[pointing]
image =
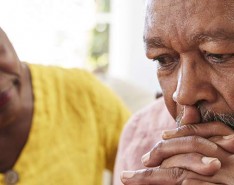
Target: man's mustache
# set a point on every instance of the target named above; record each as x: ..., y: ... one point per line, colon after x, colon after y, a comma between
x: 210, y: 116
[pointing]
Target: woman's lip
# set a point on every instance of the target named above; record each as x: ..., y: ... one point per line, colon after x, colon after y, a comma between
x: 5, y: 97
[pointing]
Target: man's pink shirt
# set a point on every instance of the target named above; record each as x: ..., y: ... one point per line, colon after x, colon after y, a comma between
x: 140, y: 134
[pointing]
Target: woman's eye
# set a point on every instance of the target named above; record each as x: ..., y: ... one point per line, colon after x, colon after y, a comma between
x: 217, y: 58
x: 165, y: 61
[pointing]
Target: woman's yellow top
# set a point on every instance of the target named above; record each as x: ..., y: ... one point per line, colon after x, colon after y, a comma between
x: 75, y: 129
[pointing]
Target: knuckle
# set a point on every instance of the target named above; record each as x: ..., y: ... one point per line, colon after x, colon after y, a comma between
x: 195, y: 142
x: 176, y: 173
x: 190, y: 129
x: 158, y: 148
x: 148, y: 172
x: 155, y: 155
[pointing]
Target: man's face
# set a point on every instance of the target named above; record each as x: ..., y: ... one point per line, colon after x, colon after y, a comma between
x: 192, y: 43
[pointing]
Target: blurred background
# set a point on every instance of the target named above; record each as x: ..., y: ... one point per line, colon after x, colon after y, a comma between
x: 103, y: 36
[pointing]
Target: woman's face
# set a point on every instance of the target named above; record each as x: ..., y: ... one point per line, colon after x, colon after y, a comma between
x: 10, y: 81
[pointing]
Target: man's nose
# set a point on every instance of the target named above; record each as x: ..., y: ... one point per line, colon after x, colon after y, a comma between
x: 194, y: 83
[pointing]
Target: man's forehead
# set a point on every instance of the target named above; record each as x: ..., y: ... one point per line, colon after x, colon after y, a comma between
x: 189, y: 5
x: 166, y: 12
x: 189, y: 23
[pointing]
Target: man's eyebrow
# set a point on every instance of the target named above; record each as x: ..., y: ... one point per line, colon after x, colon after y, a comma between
x: 154, y: 42
x: 210, y: 36
x: 199, y: 37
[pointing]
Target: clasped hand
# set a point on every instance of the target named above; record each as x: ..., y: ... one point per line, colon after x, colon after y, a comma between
x: 194, y: 154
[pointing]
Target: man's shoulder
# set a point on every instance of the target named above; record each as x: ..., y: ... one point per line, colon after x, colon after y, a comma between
x: 147, y: 125
x: 155, y: 114
x: 142, y: 132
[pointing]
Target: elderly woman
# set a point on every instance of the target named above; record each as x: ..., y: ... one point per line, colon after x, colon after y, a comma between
x: 57, y: 126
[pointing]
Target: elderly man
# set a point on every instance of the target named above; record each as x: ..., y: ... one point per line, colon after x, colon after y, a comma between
x: 192, y: 43
x: 57, y: 126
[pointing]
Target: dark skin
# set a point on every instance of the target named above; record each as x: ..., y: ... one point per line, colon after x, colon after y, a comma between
x: 16, y: 108
x: 193, y: 45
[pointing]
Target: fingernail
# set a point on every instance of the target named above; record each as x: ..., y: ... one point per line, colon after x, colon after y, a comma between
x: 127, y: 174
x: 145, y: 158
x: 228, y: 137
x: 169, y: 133
x: 208, y: 160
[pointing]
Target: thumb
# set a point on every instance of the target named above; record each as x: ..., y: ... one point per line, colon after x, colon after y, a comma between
x: 188, y: 115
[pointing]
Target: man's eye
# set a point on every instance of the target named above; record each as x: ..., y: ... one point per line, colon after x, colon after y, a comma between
x: 217, y: 58
x: 165, y: 61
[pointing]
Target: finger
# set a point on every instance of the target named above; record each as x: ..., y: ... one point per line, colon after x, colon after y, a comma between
x: 205, y: 130
x: 200, y: 164
x: 156, y: 176
x: 183, y: 145
x: 225, y: 142
x: 196, y: 182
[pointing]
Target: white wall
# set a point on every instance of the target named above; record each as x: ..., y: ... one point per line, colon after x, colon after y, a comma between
x: 49, y: 31
x: 127, y: 57
x: 41, y: 33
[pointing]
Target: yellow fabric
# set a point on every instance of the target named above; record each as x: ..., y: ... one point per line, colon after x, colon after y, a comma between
x: 76, y: 126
